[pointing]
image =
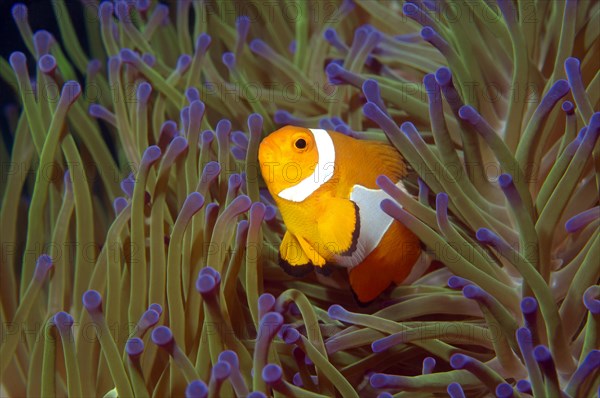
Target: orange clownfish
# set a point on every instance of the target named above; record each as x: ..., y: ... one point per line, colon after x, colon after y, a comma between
x: 323, y: 183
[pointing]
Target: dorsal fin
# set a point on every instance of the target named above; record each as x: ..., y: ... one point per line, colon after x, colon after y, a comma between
x: 360, y: 162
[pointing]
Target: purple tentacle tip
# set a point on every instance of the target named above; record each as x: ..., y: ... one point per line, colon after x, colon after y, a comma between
x: 202, y: 42
x: 18, y: 61
x: 183, y: 62
x: 235, y: 181
x: 257, y: 394
x: 177, y: 146
x: 272, y: 373
x: 142, y: 5
x: 459, y: 361
x: 504, y: 390
x: 134, y: 347
x: 221, y: 370
x: 211, y: 272
x: 410, y: 9
x: 228, y: 59
x: 207, y: 137
x: 590, y: 299
x: 441, y: 208
x: 270, y: 213
x: 92, y: 301
x: 258, y: 46
x: 258, y: 209
x: 524, y: 337
x: 473, y: 292
x: 542, y: 354
x: 297, y: 380
x: 206, y: 285
x: 127, y: 185
x: 469, y: 114
x: 443, y: 76
x: 409, y: 129
x: 568, y: 107
x: 266, y: 303
x: 119, y: 204
x: 156, y: 307
x: 428, y: 365
x: 242, y: 25
x: 330, y: 34
x: 192, y: 94
x: 378, y: 380
x: 162, y: 337
x: 196, y: 389
x: 43, y: 265
x: 455, y: 390
x: 282, y: 117
x: 572, y: 66
x: 63, y: 321
x: 149, y: 59
x: 47, y: 64
x: 128, y: 56
x: 594, y: 127
x: 485, y: 235
x: 582, y: 219
x: 333, y: 71
x: 193, y: 203
x: 529, y: 305
x: 524, y: 386
x: 372, y: 111
x: 143, y: 92
x: 238, y: 153
x: 151, y: 155
x: 223, y: 128
x: 290, y: 335
x: 19, y: 12
x: 71, y: 90
x: 505, y: 180
x: 149, y: 319
x: 230, y: 357
x: 558, y: 90
x: 384, y: 395
x: 255, y: 123
x: 272, y: 321
x: 371, y: 90
x: 197, y: 109
x: 42, y: 39
x: 456, y: 282
x: 430, y: 84
x: 337, y: 312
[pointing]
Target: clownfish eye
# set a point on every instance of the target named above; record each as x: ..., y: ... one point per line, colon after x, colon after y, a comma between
x: 300, y: 143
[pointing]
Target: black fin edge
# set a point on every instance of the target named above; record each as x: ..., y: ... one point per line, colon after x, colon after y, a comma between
x: 325, y: 270
x: 295, y: 270
x: 362, y: 304
x: 355, y: 233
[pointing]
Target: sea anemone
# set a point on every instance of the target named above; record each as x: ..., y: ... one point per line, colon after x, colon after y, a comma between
x: 139, y: 245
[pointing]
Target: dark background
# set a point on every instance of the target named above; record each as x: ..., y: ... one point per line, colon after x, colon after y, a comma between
x: 41, y: 16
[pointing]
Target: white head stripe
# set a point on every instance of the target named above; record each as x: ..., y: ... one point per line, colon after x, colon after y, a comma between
x: 323, y: 172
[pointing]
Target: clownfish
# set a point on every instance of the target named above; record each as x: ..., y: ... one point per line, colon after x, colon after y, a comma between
x: 323, y: 183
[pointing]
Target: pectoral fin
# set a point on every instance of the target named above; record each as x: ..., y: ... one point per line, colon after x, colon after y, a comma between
x: 339, y: 226
x: 292, y: 257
